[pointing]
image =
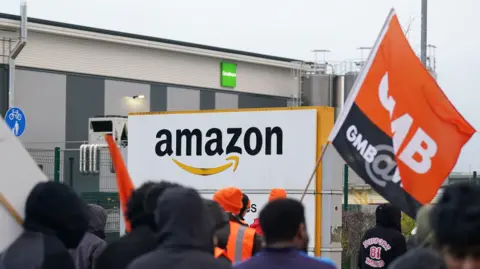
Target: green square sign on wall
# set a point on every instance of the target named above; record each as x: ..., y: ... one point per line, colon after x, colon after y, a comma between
x: 228, y: 75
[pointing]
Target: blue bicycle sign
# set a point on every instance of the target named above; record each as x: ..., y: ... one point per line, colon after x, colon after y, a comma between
x: 15, y: 115
x: 16, y: 121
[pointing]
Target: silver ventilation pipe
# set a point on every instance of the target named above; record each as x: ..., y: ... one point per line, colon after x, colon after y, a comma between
x: 338, y: 94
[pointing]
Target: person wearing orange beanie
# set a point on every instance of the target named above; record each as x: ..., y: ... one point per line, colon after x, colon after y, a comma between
x: 274, y: 195
x: 230, y: 199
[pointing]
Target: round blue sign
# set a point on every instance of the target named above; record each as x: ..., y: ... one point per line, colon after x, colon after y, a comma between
x: 16, y: 121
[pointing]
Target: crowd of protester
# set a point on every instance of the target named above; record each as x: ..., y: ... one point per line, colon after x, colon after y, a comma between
x: 173, y: 227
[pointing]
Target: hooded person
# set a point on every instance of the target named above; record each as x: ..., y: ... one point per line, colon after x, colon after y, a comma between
x: 240, y: 236
x: 185, y: 234
x: 142, y: 239
x: 92, y: 244
x: 56, y: 220
x: 382, y: 244
x: 221, y: 227
x: 274, y: 195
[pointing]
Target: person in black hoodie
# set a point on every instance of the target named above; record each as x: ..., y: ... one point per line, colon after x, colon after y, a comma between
x: 140, y: 212
x: 382, y: 244
x: 185, y: 234
x: 56, y: 220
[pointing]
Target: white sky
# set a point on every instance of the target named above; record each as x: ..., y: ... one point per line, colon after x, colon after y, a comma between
x: 294, y: 28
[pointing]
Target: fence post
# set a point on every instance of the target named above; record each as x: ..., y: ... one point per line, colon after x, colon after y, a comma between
x: 345, y: 187
x: 56, y: 168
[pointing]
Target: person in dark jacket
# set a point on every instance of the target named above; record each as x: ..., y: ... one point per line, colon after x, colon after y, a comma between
x: 222, y: 229
x: 286, y: 239
x: 142, y: 239
x: 92, y: 244
x: 185, y: 234
x: 56, y: 220
x: 455, y: 221
x: 382, y: 244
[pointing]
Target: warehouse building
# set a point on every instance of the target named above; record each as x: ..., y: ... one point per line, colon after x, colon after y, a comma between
x: 67, y: 73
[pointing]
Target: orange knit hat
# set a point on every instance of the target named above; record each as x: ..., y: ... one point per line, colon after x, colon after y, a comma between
x: 230, y: 199
x: 277, y: 194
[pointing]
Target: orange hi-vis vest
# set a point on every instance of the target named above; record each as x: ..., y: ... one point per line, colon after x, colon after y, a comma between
x: 240, y: 242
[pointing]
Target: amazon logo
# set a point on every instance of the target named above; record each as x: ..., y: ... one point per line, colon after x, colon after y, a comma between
x: 232, y: 142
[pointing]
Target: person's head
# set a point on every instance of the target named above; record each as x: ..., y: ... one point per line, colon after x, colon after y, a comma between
x: 455, y: 220
x: 54, y: 208
x: 220, y: 222
x: 135, y: 212
x: 388, y: 216
x: 245, y: 206
x: 143, y: 202
x: 98, y: 220
x: 230, y: 199
x: 419, y: 259
x: 183, y: 221
x: 283, y: 224
x: 424, y: 236
x: 277, y: 194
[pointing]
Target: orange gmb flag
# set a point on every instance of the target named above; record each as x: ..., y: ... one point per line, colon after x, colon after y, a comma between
x: 124, y: 182
x: 398, y: 131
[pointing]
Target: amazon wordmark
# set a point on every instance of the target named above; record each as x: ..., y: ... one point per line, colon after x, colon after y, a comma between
x: 215, y: 141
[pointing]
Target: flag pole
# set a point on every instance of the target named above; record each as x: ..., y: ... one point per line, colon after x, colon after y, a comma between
x: 4, y: 201
x: 351, y: 97
x: 314, y: 170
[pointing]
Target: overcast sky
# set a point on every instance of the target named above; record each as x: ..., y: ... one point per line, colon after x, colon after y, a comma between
x: 294, y: 28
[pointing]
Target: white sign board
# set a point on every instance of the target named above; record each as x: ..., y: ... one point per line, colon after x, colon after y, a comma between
x: 19, y: 174
x: 254, y: 151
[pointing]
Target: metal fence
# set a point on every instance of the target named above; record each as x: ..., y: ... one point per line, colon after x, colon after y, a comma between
x: 62, y: 165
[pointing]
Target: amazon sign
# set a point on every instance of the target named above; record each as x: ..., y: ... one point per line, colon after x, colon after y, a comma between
x: 249, y: 149
x: 254, y: 150
x: 232, y: 143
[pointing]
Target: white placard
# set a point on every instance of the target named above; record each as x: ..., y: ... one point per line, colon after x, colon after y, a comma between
x: 19, y: 173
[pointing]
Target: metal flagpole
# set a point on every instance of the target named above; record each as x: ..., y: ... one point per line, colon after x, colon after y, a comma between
x: 314, y: 171
x: 423, y: 42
